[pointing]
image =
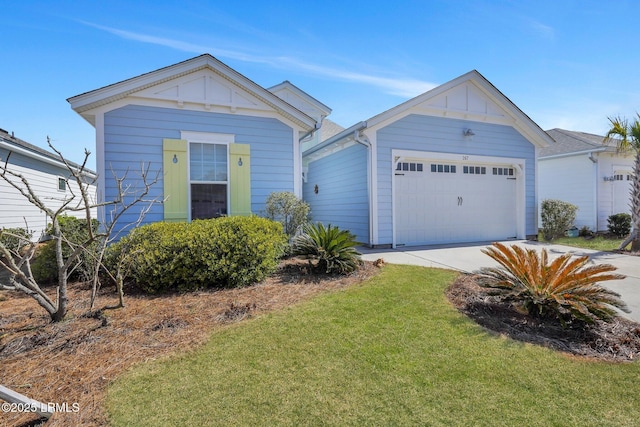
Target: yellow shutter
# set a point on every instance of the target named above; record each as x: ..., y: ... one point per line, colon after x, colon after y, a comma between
x: 175, y: 180
x: 240, y: 179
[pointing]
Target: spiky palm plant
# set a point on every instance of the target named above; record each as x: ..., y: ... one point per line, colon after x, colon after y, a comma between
x: 332, y: 249
x: 563, y: 288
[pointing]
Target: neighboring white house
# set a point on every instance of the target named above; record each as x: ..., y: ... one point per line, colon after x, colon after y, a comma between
x: 581, y: 170
x: 46, y: 175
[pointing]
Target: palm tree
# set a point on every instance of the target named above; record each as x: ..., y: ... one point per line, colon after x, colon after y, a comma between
x: 627, y: 138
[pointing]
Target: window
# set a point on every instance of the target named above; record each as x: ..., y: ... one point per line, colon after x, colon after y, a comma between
x: 62, y: 184
x: 208, y: 180
x: 503, y: 171
x: 412, y: 167
x: 443, y: 168
x: 474, y: 170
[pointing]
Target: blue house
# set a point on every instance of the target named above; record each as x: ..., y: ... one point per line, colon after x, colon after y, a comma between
x: 455, y: 164
x: 219, y: 142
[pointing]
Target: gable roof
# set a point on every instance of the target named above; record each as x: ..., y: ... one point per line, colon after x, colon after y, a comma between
x: 298, y: 98
x: 473, y: 98
x: 570, y: 142
x: 473, y: 87
x: 84, y: 103
x: 11, y: 143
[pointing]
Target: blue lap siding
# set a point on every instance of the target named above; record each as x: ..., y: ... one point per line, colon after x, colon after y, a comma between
x: 342, y: 197
x: 133, y: 135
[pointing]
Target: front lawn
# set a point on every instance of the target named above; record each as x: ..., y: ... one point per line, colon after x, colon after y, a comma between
x: 598, y: 243
x: 391, y: 351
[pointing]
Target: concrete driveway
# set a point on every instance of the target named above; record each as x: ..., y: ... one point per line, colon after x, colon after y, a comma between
x: 468, y: 258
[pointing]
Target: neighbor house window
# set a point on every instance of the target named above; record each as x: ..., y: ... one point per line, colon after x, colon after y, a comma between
x: 62, y: 184
x: 208, y: 180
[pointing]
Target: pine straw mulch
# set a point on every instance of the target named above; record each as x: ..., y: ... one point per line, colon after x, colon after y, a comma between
x: 75, y: 360
x: 617, y: 341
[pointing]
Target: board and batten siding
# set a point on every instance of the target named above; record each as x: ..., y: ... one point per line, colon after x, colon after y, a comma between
x: 444, y: 135
x: 570, y: 179
x: 133, y: 135
x: 17, y: 212
x: 342, y: 198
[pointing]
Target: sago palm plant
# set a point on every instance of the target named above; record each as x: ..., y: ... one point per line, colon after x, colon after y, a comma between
x: 332, y: 249
x: 564, y: 288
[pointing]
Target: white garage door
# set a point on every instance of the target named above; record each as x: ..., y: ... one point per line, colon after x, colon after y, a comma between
x: 448, y: 202
x: 622, y: 181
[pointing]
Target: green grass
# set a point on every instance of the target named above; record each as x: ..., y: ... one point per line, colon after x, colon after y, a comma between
x: 598, y: 243
x: 390, y: 352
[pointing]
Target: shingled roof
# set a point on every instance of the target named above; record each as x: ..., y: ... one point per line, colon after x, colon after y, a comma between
x: 569, y: 142
x: 37, y: 151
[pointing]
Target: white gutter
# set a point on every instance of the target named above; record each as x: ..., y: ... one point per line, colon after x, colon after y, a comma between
x: 342, y: 135
x: 40, y: 157
x: 573, y: 153
x: 316, y: 128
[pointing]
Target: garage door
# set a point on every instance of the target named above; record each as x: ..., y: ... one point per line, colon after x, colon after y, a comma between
x: 447, y: 202
x: 622, y: 180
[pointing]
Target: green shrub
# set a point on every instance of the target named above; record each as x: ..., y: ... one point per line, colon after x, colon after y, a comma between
x: 15, y: 238
x: 585, y: 231
x: 44, y: 266
x: 557, y: 217
x: 619, y: 224
x: 288, y: 210
x: 565, y: 288
x: 332, y: 249
x: 221, y: 252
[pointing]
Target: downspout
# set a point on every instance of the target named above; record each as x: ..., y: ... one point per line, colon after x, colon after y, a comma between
x: 596, y: 200
x: 365, y: 141
x: 300, y: 172
x: 316, y: 128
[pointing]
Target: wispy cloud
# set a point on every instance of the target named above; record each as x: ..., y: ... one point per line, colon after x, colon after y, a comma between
x: 542, y: 30
x: 403, y: 87
x: 175, y: 44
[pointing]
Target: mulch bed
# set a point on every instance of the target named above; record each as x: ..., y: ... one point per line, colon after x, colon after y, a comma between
x: 617, y: 341
x: 74, y: 361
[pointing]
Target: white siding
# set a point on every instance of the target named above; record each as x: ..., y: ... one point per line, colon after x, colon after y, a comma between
x: 17, y: 211
x: 608, y: 164
x: 570, y: 179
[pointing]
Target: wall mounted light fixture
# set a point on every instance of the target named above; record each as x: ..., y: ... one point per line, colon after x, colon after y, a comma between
x: 467, y: 132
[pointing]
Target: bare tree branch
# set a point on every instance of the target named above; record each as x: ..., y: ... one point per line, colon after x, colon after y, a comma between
x: 18, y: 262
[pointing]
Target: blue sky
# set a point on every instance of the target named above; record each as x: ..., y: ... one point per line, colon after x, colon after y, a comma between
x: 567, y: 64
